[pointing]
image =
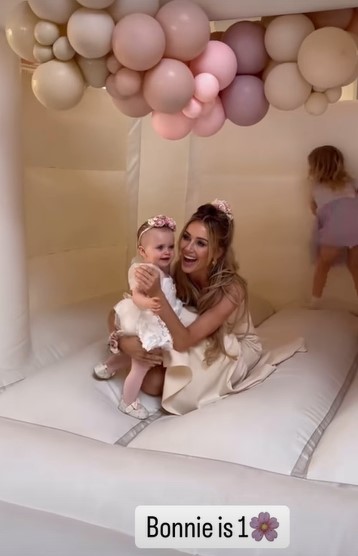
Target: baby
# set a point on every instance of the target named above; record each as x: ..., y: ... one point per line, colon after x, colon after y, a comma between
x: 135, y: 315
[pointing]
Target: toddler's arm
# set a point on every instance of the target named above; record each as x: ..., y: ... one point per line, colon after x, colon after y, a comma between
x: 143, y: 302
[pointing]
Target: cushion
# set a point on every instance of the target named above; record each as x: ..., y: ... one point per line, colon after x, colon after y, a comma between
x: 260, y: 309
x: 277, y: 424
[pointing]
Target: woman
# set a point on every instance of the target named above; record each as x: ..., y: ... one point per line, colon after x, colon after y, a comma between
x: 216, y: 346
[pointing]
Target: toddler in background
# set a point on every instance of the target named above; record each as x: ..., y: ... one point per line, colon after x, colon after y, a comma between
x: 334, y: 201
x: 136, y: 315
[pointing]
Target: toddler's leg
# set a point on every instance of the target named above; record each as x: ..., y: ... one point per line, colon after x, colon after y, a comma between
x: 129, y: 403
x: 114, y: 363
x: 326, y: 258
x: 352, y: 264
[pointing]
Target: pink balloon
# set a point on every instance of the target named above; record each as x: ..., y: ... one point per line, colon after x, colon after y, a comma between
x: 193, y: 109
x: 219, y: 60
x: 112, y: 64
x: 138, y: 41
x: 171, y: 126
x: 134, y: 106
x: 244, y: 100
x: 111, y: 87
x: 127, y: 82
x: 206, y: 87
x: 207, y: 107
x: 186, y: 27
x: 212, y: 122
x: 246, y: 39
x: 169, y: 86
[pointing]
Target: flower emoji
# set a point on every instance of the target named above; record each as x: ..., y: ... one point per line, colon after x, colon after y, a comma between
x: 264, y: 525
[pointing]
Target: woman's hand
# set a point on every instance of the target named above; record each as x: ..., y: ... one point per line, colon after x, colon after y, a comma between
x: 132, y: 347
x: 148, y: 280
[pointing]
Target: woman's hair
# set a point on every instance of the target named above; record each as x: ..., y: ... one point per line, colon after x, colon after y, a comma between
x: 224, y: 279
x: 326, y: 166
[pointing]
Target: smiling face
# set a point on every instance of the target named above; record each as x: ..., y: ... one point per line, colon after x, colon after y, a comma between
x: 157, y: 247
x: 194, y: 250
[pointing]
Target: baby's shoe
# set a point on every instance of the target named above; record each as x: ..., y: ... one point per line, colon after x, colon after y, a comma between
x: 102, y: 372
x: 135, y: 409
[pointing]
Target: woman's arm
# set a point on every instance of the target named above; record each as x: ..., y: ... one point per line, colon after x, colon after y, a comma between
x: 202, y: 327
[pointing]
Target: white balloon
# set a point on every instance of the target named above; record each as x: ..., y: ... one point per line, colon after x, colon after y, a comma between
x: 284, y: 36
x: 328, y: 57
x: 94, y: 70
x: 63, y: 50
x: 19, y: 29
x: 53, y: 10
x: 42, y: 53
x: 46, y: 32
x: 58, y: 85
x: 120, y: 8
x: 272, y: 64
x: 90, y: 32
x: 316, y: 104
x: 285, y: 87
x: 334, y: 94
x: 95, y: 4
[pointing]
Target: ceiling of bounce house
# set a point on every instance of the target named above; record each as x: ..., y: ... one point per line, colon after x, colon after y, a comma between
x: 191, y: 64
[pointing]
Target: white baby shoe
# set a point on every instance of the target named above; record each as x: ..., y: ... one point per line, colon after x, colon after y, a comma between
x: 102, y: 372
x: 135, y: 409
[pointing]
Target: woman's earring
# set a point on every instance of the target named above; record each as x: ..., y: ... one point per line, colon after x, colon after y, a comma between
x: 213, y: 263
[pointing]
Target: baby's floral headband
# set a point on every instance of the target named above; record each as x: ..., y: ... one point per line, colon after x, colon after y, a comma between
x: 224, y: 207
x: 159, y: 221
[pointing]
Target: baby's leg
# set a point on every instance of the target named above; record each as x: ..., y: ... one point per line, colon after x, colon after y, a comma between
x: 326, y: 257
x: 129, y: 403
x: 114, y: 363
x: 352, y: 264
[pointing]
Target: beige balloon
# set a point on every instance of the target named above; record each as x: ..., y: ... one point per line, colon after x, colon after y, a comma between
x: 316, y: 104
x: 63, y: 50
x: 327, y: 57
x: 285, y: 87
x: 42, y: 53
x: 332, y: 18
x: 94, y: 70
x: 95, y: 4
x: 284, y: 36
x: 334, y: 94
x: 53, y: 10
x: 46, y: 32
x: 272, y: 64
x: 120, y: 8
x: 19, y: 30
x: 90, y: 32
x: 58, y: 85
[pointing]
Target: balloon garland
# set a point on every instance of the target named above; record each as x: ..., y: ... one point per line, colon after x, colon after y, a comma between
x: 163, y: 60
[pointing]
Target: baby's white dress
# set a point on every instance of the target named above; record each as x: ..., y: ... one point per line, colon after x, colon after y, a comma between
x: 150, y: 329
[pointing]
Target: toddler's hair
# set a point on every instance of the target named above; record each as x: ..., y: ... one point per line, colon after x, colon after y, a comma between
x: 326, y: 166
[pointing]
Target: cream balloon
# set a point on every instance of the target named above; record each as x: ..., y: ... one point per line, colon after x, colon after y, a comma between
x: 42, y: 53
x: 94, y: 70
x: 327, y: 57
x: 284, y: 36
x: 334, y: 94
x: 332, y: 18
x: 46, y: 32
x: 272, y: 64
x: 285, y: 87
x: 95, y: 4
x: 57, y: 11
x: 58, y: 85
x: 90, y: 32
x: 63, y: 50
x: 19, y: 29
x: 120, y: 8
x: 316, y: 104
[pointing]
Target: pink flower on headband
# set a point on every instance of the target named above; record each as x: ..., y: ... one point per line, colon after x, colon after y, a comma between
x: 224, y: 207
x: 162, y: 221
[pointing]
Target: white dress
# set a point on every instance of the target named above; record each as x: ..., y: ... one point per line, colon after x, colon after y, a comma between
x: 150, y: 329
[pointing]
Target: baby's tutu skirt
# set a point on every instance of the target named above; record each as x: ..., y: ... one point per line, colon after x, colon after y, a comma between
x: 338, y: 223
